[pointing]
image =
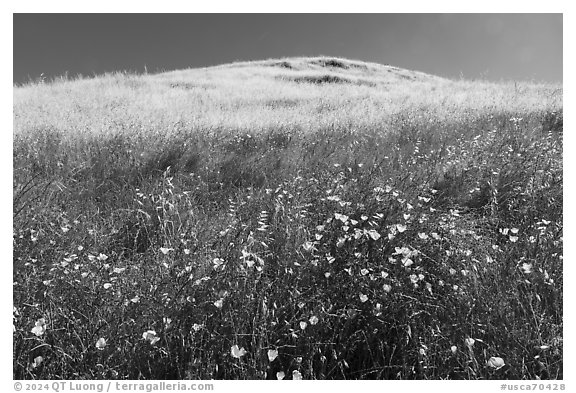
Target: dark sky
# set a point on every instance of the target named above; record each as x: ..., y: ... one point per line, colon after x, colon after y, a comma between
x: 491, y: 46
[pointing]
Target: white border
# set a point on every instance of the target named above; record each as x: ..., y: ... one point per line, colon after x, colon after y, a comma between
x: 294, y: 6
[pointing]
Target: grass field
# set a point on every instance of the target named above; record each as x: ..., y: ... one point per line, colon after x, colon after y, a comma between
x: 311, y: 218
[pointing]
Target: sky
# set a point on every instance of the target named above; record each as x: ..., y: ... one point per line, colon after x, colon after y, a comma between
x: 487, y: 46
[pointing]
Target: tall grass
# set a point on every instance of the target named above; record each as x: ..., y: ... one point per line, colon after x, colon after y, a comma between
x: 248, y: 221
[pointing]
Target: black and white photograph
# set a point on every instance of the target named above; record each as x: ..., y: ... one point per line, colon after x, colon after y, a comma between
x: 287, y: 196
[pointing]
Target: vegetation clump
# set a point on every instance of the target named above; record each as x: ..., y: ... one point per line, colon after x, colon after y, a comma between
x: 263, y: 229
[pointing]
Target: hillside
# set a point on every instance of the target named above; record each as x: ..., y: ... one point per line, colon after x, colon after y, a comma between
x: 256, y: 95
x: 334, y: 218
x: 178, y: 113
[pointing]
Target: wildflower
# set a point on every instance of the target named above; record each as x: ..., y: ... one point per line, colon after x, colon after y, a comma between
x: 296, y: 376
x: 272, y: 354
x: 341, y: 217
x: 39, y: 327
x: 237, y: 352
x: 196, y: 327
x: 218, y: 262
x: 400, y: 250
x: 387, y: 288
x: 119, y: 270
x: 150, y: 335
x: 423, y: 236
x: 401, y: 228
x: 364, y: 272
x: 469, y: 341
x: 526, y: 268
x: 37, y: 361
x: 165, y: 250
x: 373, y: 234
x: 453, y: 348
x: 363, y: 298
x: 513, y: 239
x: 107, y: 285
x: 101, y: 257
x: 496, y: 362
x: 303, y: 325
x: 280, y: 375
x: 407, y: 262
x: 101, y: 343
x: 313, y: 320
x: 219, y: 303
x: 308, y: 246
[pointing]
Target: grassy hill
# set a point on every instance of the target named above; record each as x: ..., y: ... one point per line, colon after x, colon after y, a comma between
x: 332, y: 218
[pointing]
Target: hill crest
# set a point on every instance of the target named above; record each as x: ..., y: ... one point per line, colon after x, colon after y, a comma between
x: 317, y: 70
